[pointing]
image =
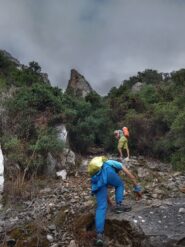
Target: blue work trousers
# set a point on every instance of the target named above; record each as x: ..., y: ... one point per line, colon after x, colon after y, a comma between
x: 114, y: 180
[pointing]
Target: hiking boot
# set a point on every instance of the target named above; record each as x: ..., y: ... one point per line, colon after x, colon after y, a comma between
x: 99, y: 239
x: 121, y: 208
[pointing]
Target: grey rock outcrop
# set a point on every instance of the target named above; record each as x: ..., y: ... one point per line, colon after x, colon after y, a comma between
x: 161, y: 226
x: 10, y: 57
x: 137, y: 87
x: 78, y: 85
x: 68, y: 160
x: 65, y: 161
x: 51, y: 167
x: 62, y: 132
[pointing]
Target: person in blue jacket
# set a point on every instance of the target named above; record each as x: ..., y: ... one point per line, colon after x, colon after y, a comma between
x: 108, y: 176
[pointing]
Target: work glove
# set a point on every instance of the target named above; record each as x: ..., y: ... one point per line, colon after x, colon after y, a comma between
x: 137, y: 189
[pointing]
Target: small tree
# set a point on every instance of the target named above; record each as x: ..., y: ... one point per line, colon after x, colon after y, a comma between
x: 35, y: 67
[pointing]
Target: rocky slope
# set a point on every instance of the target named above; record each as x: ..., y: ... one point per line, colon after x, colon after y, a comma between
x: 60, y: 212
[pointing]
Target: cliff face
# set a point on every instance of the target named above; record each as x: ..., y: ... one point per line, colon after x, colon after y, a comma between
x: 10, y: 57
x: 77, y: 85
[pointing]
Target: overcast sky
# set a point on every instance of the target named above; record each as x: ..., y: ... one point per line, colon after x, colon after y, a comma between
x: 105, y: 40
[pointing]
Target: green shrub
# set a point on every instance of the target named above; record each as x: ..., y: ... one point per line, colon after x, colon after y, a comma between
x: 155, y: 115
x: 15, y: 150
x: 11, y: 143
x: 47, y: 141
x: 2, y: 83
x: 148, y: 94
x: 37, y: 97
x: 178, y: 160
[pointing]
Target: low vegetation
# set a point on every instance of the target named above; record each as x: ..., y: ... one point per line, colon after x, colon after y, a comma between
x: 155, y: 116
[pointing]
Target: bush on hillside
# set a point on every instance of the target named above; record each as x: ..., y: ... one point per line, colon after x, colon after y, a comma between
x: 155, y: 115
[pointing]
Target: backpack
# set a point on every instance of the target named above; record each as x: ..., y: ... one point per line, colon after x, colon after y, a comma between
x: 95, y: 165
x: 125, y: 132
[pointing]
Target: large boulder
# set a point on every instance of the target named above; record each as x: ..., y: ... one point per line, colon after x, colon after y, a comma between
x: 51, y: 167
x: 62, y: 132
x: 65, y: 161
x: 160, y: 225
